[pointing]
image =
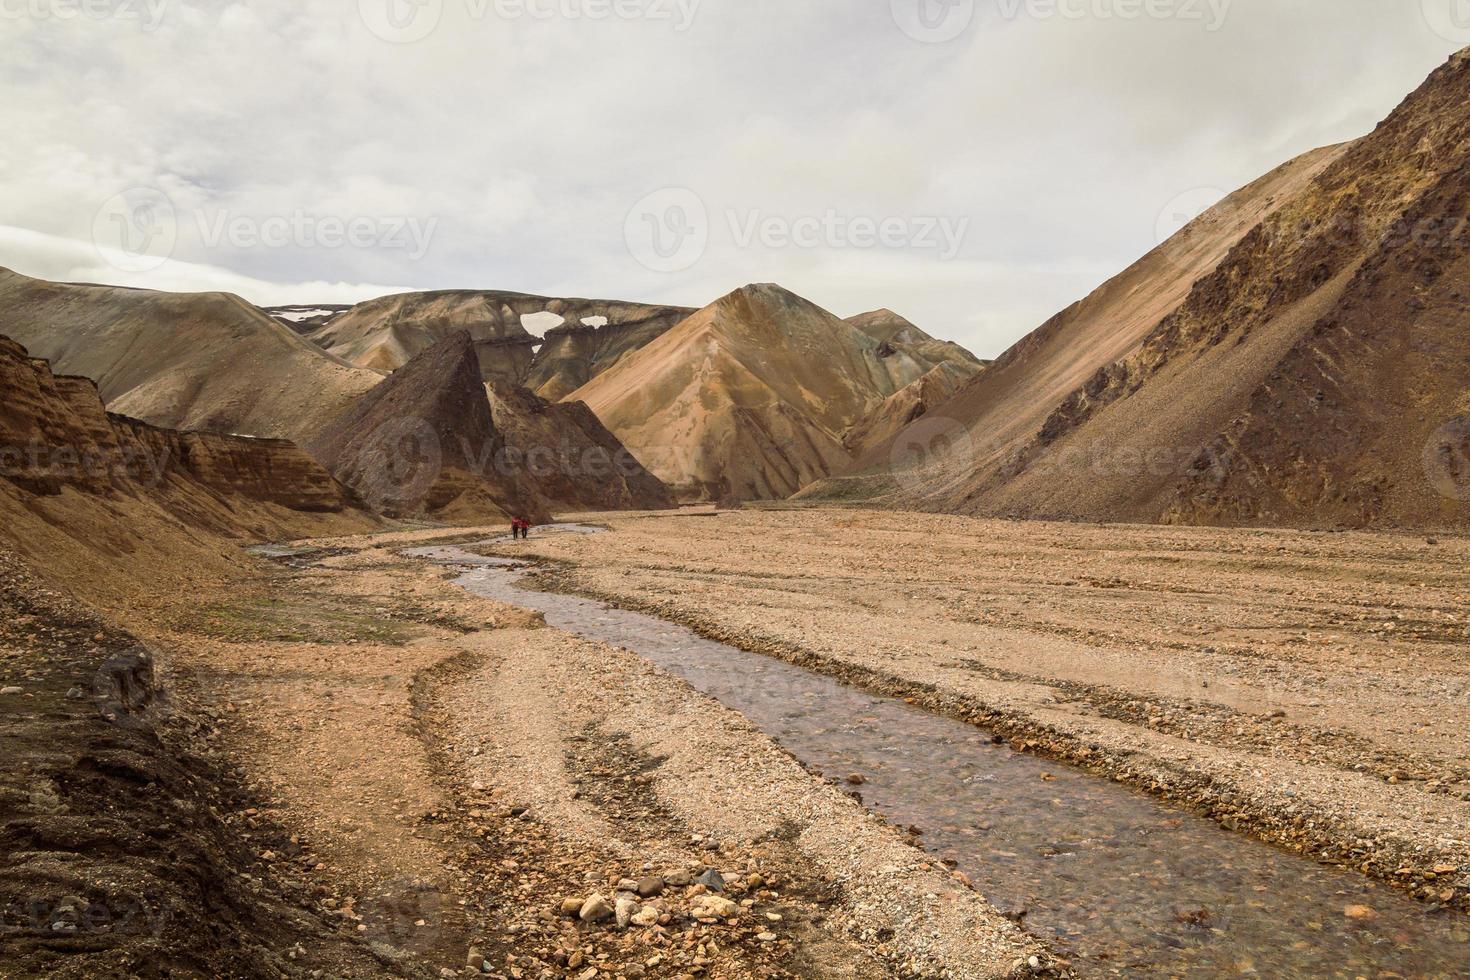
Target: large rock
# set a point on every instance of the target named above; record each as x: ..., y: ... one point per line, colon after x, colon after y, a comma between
x: 595, y: 909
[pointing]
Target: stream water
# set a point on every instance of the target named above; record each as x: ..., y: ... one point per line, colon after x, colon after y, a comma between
x: 1120, y: 883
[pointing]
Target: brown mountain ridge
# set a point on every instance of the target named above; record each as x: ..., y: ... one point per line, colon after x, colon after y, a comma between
x: 1293, y: 357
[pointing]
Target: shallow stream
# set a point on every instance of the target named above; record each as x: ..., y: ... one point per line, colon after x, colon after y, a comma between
x: 1118, y: 882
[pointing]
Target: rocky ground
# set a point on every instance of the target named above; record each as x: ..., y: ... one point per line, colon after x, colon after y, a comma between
x: 129, y: 846
x: 396, y: 778
x: 1308, y: 688
x: 352, y: 767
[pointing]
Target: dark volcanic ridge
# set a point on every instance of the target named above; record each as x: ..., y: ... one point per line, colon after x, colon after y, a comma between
x: 55, y: 435
x: 423, y: 442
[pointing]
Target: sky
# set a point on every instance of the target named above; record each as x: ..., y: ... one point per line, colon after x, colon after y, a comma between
x: 975, y: 165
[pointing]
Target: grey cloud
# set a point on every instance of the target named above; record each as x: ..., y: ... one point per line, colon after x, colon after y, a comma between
x: 525, y: 141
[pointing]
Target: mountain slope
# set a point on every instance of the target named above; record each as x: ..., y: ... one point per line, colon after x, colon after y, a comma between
x: 570, y: 458
x: 909, y: 353
x: 907, y: 405
x: 750, y: 397
x: 424, y: 443
x: 181, y: 360
x: 1314, y: 374
x: 1004, y: 407
x: 212, y: 362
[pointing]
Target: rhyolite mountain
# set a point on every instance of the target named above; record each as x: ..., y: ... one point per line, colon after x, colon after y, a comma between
x: 751, y: 397
x: 1295, y: 356
x: 387, y: 332
x: 908, y: 404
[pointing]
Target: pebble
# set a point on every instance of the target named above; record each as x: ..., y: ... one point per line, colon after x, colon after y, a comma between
x: 649, y: 886
x: 595, y: 909
x: 715, y: 907
x: 712, y: 880
x: 12, y: 690
x: 624, y: 911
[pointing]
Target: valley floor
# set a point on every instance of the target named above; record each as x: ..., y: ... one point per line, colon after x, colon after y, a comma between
x: 457, y: 782
x: 434, y: 778
x: 1309, y: 688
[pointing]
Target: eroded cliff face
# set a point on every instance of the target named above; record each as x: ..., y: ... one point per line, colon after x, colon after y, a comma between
x: 55, y: 435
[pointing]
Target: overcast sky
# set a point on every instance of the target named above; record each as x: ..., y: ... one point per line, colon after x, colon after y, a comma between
x: 974, y: 166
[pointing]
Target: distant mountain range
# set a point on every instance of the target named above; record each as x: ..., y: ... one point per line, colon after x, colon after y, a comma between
x: 1294, y: 356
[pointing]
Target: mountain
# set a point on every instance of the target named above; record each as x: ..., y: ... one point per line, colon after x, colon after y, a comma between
x: 424, y: 443
x: 750, y: 397
x: 205, y: 361
x: 306, y: 319
x: 908, y: 352
x: 212, y: 362
x: 1295, y: 356
x: 386, y: 333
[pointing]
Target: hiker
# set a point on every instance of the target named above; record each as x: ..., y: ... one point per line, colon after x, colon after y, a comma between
x: 515, y: 528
